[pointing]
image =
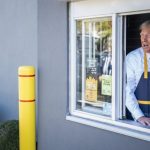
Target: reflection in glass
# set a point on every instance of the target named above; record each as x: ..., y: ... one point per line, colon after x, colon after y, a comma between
x: 94, y: 65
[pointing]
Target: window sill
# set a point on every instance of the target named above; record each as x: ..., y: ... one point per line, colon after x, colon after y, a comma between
x: 128, y: 128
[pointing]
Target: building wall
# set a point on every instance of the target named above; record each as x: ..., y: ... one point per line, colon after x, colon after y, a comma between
x: 18, y: 46
x: 54, y: 132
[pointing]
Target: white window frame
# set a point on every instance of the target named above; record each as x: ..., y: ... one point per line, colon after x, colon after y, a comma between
x: 73, y: 65
x: 129, y: 128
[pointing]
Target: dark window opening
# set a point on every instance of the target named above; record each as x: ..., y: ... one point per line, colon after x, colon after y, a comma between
x: 133, y: 42
x: 133, y: 23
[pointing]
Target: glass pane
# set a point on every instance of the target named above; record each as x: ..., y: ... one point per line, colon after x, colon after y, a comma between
x: 94, y: 65
x: 79, y: 60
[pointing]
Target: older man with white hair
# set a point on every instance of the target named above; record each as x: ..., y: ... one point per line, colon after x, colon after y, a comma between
x: 138, y: 78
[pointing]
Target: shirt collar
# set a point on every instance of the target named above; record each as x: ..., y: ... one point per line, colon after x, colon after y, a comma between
x: 142, y: 52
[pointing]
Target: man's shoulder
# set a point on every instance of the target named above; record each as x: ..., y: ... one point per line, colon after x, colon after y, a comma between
x: 135, y: 54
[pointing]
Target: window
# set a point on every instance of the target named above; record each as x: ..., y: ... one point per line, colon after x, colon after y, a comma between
x: 132, y: 36
x: 94, y: 65
x: 98, y: 47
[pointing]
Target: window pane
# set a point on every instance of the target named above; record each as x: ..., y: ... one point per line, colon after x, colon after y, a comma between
x: 94, y: 65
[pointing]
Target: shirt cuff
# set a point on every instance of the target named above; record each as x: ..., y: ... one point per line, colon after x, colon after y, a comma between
x: 137, y: 114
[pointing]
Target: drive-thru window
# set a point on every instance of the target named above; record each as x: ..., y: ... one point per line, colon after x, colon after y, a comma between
x: 99, y: 42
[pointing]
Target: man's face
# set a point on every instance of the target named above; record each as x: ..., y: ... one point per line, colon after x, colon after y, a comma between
x: 145, y: 39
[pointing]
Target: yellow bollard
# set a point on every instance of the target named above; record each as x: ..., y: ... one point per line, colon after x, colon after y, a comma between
x: 27, y: 129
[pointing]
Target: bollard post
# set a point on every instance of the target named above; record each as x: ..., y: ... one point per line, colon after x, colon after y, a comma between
x: 27, y: 129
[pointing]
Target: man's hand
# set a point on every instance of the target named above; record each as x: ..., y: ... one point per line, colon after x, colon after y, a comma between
x: 144, y: 121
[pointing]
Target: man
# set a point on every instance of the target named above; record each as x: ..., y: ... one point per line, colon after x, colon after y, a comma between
x: 138, y: 78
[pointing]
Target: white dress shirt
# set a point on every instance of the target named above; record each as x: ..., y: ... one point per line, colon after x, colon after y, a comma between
x: 134, y: 70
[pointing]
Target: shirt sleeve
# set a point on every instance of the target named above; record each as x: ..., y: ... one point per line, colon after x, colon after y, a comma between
x: 131, y: 101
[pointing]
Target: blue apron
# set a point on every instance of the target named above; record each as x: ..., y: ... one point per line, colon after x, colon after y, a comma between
x: 142, y: 91
x: 142, y: 94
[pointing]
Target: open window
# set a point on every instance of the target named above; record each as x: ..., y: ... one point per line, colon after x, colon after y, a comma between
x: 131, y: 38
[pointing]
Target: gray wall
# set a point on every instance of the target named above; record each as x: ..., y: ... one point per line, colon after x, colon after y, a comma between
x: 18, y: 46
x: 54, y: 132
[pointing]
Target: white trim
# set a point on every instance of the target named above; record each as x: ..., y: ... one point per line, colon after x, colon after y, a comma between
x: 83, y: 61
x: 90, y: 8
x: 121, y: 129
x: 119, y: 63
x: 107, y: 120
x: 124, y: 55
x: 72, y: 66
x: 96, y: 17
x: 114, y: 100
x: 134, y: 12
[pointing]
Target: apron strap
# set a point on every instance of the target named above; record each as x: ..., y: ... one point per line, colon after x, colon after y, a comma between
x: 145, y: 66
x: 144, y: 102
